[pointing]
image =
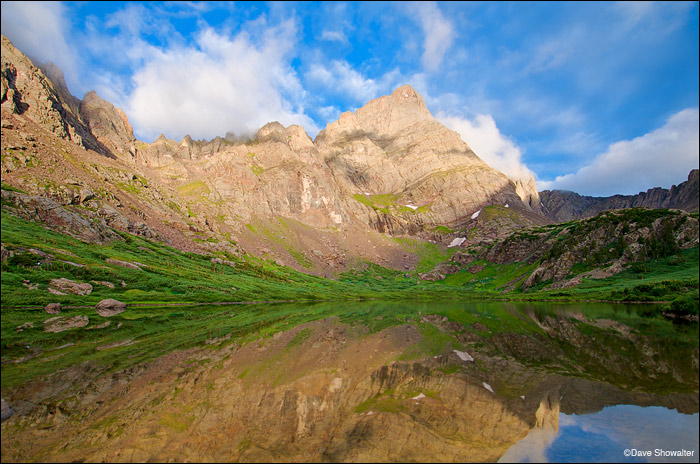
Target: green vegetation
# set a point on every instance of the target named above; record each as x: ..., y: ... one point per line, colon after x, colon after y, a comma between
x: 429, y: 254
x: 153, y: 326
x: 387, y: 204
x: 194, y: 188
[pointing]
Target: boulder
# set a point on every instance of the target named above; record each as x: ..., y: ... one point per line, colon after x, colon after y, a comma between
x: 110, y: 307
x: 53, y: 308
x: 6, y: 411
x: 60, y: 324
x: 64, y: 286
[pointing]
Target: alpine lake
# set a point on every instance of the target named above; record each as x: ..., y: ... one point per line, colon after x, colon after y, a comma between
x: 449, y: 381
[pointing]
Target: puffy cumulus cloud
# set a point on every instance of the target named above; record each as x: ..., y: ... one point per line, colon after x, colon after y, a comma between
x: 660, y: 158
x: 486, y: 140
x: 38, y: 29
x: 439, y: 33
x: 217, y: 85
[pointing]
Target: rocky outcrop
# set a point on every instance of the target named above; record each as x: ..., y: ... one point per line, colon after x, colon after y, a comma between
x: 559, y: 205
x: 440, y: 272
x: 61, y: 324
x: 25, y: 90
x: 107, y: 123
x: 605, y: 245
x: 46, y: 211
x: 110, y: 307
x: 63, y: 286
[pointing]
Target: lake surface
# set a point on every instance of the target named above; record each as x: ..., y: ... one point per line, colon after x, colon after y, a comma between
x: 623, y: 433
x: 368, y: 381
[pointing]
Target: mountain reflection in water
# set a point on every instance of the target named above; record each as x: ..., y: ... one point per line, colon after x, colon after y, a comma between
x: 387, y: 382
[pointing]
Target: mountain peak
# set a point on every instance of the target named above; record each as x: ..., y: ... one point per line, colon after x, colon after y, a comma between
x: 385, y: 116
x: 406, y: 91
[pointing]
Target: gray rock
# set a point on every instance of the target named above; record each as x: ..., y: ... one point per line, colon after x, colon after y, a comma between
x: 69, y: 286
x: 6, y: 411
x: 110, y: 307
x: 53, y: 308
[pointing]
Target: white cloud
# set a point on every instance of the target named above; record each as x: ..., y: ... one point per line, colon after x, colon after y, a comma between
x: 341, y: 78
x: 484, y: 138
x: 333, y: 36
x: 439, y: 34
x: 217, y: 85
x: 38, y: 30
x: 660, y: 158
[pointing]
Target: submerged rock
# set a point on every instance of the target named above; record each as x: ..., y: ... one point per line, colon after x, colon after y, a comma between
x: 60, y: 324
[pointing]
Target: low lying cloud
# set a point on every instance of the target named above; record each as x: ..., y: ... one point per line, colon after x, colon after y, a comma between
x: 38, y: 30
x: 486, y: 140
x: 660, y: 158
x: 217, y: 85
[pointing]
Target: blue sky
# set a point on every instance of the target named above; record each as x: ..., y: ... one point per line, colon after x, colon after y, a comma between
x: 599, y: 98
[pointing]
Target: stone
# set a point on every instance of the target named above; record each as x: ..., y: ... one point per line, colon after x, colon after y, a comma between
x: 53, y: 308
x: 5, y: 410
x: 69, y: 286
x: 26, y: 325
x: 110, y: 307
x: 61, y: 324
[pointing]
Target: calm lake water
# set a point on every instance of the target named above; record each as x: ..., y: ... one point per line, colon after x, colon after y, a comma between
x: 379, y: 382
x: 623, y: 433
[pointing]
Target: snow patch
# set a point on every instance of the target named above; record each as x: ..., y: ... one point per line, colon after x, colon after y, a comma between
x: 464, y: 356
x: 476, y: 215
x: 412, y: 207
x: 507, y: 205
x: 487, y: 386
x: 456, y: 242
x: 522, y: 397
x: 418, y: 397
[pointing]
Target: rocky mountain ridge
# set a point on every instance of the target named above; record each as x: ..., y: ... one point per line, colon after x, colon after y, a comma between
x: 561, y: 205
x: 387, y: 170
x: 385, y: 173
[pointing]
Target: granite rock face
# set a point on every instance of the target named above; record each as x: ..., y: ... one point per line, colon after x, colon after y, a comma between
x: 26, y: 90
x: 107, y: 123
x: 393, y: 147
